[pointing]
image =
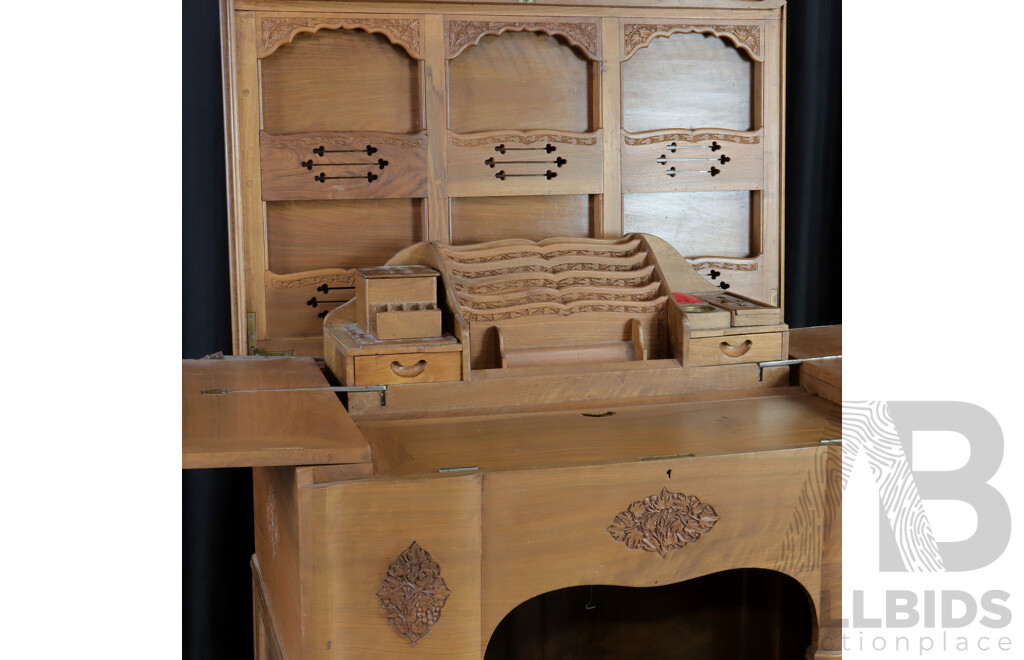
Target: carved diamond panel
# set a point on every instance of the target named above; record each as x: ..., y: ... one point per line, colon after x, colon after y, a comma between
x: 413, y: 593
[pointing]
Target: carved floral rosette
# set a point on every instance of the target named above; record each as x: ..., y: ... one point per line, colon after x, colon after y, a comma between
x: 413, y: 593
x: 662, y: 523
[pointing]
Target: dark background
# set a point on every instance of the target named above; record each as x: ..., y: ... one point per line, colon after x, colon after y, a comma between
x: 217, y: 523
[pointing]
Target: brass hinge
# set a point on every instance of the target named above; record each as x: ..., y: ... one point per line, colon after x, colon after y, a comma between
x: 773, y: 297
x: 253, y: 349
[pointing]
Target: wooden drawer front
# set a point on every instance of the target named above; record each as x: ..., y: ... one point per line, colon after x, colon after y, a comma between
x: 734, y: 349
x: 408, y: 368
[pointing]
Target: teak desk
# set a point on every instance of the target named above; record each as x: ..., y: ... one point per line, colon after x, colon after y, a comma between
x: 539, y: 247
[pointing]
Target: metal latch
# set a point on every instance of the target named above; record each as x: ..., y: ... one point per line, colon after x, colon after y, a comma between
x: 382, y: 389
x: 787, y: 363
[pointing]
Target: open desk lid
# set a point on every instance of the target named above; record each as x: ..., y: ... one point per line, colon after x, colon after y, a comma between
x: 244, y: 429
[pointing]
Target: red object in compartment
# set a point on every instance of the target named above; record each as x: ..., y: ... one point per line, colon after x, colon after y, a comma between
x: 687, y: 299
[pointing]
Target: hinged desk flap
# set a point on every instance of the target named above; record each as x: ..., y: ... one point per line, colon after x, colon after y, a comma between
x: 825, y: 377
x: 240, y: 429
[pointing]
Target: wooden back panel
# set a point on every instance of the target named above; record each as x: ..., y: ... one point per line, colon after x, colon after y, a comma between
x: 356, y: 129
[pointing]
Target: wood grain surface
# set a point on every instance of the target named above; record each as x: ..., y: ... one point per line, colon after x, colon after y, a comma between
x: 263, y: 428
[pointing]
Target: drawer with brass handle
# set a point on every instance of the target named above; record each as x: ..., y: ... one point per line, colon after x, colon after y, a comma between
x: 734, y: 349
x: 407, y: 368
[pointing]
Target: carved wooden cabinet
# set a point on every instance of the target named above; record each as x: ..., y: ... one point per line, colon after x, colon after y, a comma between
x: 629, y: 442
x: 359, y: 128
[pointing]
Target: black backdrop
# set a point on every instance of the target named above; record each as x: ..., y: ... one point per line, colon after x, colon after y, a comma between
x: 217, y: 528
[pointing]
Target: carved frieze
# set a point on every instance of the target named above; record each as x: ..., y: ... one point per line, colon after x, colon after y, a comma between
x: 558, y: 268
x: 275, y: 31
x: 346, y: 277
x: 505, y: 256
x: 413, y: 593
x: 663, y: 523
x: 652, y: 307
x: 639, y: 35
x: 562, y: 299
x: 463, y: 34
x: 523, y: 139
x: 692, y: 137
x: 723, y: 265
x: 503, y: 285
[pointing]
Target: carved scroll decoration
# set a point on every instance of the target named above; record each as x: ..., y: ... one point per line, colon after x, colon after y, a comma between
x: 640, y: 35
x: 503, y: 285
x: 275, y: 31
x: 560, y: 268
x: 523, y: 139
x: 692, y: 137
x: 463, y: 34
x: 652, y: 307
x: 564, y: 299
x: 341, y: 277
x: 723, y: 265
x: 506, y: 256
x: 663, y: 523
x: 413, y: 593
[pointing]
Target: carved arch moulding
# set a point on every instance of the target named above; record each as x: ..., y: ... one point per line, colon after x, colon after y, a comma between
x: 640, y: 35
x: 276, y: 31
x: 584, y: 34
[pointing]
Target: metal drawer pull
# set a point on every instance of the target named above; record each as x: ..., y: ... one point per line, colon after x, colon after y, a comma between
x: 736, y: 351
x: 411, y: 371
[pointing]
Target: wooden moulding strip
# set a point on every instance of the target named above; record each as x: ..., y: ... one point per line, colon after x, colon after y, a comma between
x: 560, y: 296
x: 630, y: 262
x: 771, y: 198
x: 504, y: 282
x: 695, y: 10
x: 580, y: 386
x: 245, y: 201
x: 499, y: 251
x: 610, y: 224
x: 236, y: 272
x: 435, y: 107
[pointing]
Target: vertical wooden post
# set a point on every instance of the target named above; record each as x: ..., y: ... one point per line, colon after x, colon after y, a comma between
x: 771, y: 200
x: 610, y: 215
x: 245, y: 199
x: 435, y: 104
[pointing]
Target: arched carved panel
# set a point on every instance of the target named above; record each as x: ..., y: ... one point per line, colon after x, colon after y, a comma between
x: 583, y: 34
x: 639, y: 35
x: 275, y: 31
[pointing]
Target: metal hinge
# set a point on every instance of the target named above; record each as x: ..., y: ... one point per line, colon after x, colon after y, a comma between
x: 773, y: 297
x: 253, y: 349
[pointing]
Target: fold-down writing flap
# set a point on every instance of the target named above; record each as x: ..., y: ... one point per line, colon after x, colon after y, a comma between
x: 243, y: 428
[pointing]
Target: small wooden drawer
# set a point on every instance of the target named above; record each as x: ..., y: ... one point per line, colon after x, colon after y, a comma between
x: 408, y: 368
x: 734, y: 349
